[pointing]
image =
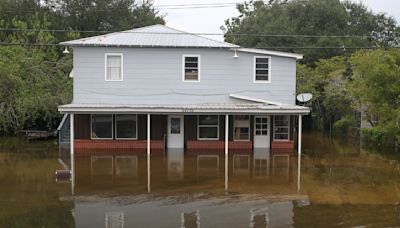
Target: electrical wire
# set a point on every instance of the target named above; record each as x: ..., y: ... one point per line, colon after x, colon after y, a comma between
x: 201, y: 33
x: 265, y: 47
x: 166, y: 6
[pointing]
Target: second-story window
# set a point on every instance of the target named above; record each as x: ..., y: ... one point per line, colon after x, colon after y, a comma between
x: 262, y: 69
x: 113, y: 67
x: 191, y: 68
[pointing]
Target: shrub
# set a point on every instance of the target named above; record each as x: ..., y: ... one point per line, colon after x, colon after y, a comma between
x: 344, y: 126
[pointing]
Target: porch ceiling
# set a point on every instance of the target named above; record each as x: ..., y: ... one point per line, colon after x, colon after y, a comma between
x: 220, y: 108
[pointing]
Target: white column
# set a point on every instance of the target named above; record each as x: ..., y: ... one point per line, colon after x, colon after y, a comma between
x: 72, y: 152
x: 226, y: 150
x: 226, y: 134
x: 148, y: 153
x: 299, y: 153
x: 299, y: 140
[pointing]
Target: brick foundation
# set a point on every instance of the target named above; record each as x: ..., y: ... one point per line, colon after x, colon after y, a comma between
x: 117, y: 147
x: 282, y: 147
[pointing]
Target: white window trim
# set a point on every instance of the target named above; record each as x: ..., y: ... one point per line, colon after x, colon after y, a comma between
x: 234, y: 127
x: 198, y: 66
x: 268, y: 126
x: 269, y: 69
x: 105, y: 66
x: 112, y: 128
x: 116, y: 126
x: 288, y: 127
x: 198, y: 128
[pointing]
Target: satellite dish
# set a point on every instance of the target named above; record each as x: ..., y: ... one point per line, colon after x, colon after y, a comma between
x: 304, y: 97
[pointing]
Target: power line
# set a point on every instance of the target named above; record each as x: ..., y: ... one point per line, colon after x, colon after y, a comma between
x: 166, y: 6
x: 204, y: 34
x: 266, y: 47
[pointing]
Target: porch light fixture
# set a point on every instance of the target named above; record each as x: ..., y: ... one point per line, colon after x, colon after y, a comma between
x: 66, y: 50
x: 235, y: 56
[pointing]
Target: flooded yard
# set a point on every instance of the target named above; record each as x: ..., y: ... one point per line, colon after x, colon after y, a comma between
x: 337, y: 185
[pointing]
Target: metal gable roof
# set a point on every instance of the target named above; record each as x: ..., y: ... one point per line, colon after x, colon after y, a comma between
x: 150, y: 36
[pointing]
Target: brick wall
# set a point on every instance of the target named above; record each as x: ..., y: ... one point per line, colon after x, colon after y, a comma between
x: 286, y: 147
x: 90, y: 147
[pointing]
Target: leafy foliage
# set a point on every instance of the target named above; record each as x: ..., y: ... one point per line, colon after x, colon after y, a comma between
x: 311, y: 17
x: 375, y: 91
x: 34, y: 79
x: 366, y: 82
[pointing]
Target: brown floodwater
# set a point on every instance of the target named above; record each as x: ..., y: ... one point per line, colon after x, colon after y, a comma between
x: 336, y: 185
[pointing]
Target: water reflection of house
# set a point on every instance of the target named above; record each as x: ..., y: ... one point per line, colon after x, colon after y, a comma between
x: 261, y: 160
x: 114, y: 220
x: 208, y: 165
x: 207, y: 212
x: 240, y: 165
x: 176, y: 164
x: 175, y: 202
x: 281, y: 165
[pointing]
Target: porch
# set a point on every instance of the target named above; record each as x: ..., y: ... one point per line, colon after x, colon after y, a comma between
x: 194, y: 133
x: 224, y: 128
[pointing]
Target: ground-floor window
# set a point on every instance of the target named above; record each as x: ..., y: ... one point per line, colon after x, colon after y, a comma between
x: 241, y: 125
x: 126, y: 126
x: 208, y: 127
x: 281, y: 127
x: 102, y: 126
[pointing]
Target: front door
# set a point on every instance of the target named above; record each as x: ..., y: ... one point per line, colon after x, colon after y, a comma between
x: 261, y: 132
x: 175, y: 132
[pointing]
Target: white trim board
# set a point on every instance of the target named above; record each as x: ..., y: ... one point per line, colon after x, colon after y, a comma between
x: 175, y: 111
x: 247, y: 98
x: 268, y: 52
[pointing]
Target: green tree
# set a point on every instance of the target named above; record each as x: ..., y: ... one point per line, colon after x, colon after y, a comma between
x: 311, y: 17
x: 327, y: 82
x: 375, y: 91
x: 34, y: 79
x: 105, y: 15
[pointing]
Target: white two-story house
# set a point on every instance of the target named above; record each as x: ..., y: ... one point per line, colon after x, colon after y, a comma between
x: 157, y: 88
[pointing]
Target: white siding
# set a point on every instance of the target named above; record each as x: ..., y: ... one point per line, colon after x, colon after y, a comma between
x: 154, y: 76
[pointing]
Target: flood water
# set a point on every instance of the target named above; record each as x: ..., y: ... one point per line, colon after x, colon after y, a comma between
x: 336, y: 185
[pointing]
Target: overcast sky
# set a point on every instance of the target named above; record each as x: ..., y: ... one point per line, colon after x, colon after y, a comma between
x: 209, y: 20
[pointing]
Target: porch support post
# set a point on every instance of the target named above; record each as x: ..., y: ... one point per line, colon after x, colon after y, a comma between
x: 72, y: 152
x: 148, y: 153
x: 226, y: 150
x: 299, y: 153
x: 299, y: 140
x: 226, y: 134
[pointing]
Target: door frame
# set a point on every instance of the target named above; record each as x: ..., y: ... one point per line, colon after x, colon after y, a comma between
x: 182, y: 129
x: 268, y: 136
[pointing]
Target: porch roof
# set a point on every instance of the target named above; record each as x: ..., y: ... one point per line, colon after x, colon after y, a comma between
x: 215, y: 108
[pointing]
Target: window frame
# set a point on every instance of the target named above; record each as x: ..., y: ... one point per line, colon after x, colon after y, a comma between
x: 234, y: 128
x: 255, y: 70
x: 198, y: 67
x: 116, y: 127
x: 198, y: 128
x: 288, y: 129
x: 91, y: 127
x: 268, y: 129
x: 105, y: 66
